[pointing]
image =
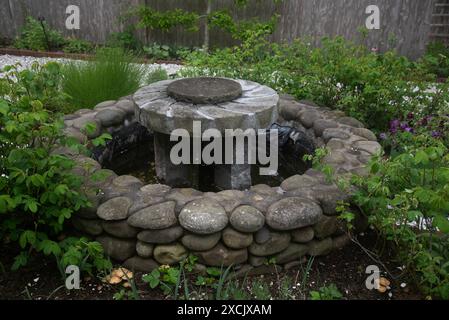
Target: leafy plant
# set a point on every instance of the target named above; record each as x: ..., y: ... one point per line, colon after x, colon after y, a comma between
x: 260, y: 290
x: 329, y: 292
x: 165, y: 277
x: 111, y: 75
x: 152, y: 19
x: 407, y: 199
x: 38, y: 191
x: 157, y: 51
x: 33, y: 36
x: 339, y: 74
x: 165, y: 20
x: 39, y: 82
x: 436, y: 59
x: 88, y: 256
x: 78, y: 46
x: 125, y: 40
x: 124, y: 294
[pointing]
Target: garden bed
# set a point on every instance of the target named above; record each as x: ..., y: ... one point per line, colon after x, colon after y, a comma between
x: 345, y: 268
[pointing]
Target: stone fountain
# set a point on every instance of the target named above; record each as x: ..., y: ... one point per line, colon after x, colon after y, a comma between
x: 217, y: 103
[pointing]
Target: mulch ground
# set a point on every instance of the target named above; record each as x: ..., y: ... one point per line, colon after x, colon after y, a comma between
x: 41, y: 280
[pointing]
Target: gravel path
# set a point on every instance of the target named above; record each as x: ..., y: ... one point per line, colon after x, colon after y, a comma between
x: 26, y: 62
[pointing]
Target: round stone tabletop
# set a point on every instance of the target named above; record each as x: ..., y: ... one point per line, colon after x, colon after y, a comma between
x: 204, y: 90
x: 163, y: 106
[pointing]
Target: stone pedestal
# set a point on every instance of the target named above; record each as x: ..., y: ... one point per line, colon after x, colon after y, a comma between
x: 169, y: 173
x: 234, y: 176
x: 215, y: 103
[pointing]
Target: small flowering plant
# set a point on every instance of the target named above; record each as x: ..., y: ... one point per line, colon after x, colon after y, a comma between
x: 414, y: 130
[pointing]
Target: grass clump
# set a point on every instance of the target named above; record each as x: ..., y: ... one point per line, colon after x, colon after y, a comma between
x: 112, y: 74
x: 156, y: 75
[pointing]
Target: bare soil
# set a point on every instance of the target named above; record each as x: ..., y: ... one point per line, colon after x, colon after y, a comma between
x: 41, y: 280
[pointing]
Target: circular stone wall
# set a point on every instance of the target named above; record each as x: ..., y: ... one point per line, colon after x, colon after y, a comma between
x: 144, y: 226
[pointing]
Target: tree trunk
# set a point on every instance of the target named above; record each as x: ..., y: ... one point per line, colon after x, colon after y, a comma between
x: 206, y: 43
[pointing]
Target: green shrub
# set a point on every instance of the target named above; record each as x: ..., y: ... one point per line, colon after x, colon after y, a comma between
x: 78, y: 46
x: 374, y: 88
x: 38, y: 192
x: 33, y: 37
x: 436, y: 59
x: 125, y: 39
x: 406, y: 198
x: 111, y: 75
x: 87, y: 255
x: 40, y: 82
x: 157, y: 51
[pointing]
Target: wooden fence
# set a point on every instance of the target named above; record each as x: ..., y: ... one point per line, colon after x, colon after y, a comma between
x: 405, y: 24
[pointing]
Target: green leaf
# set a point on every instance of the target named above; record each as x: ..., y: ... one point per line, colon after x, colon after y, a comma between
x: 37, y: 180
x: 153, y: 279
x: 49, y: 247
x: 215, y: 272
x: 421, y: 157
x: 61, y: 189
x: 4, y: 107
x: 27, y: 237
x: 31, y: 205
x: 20, y: 261
x: 413, y: 215
x: 36, y: 104
x: 90, y: 128
x: 441, y: 223
x: 6, y: 203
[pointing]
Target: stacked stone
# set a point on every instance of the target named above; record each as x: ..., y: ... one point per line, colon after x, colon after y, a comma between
x: 144, y: 226
x: 350, y: 145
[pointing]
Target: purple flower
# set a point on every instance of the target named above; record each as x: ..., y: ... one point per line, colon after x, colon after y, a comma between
x: 436, y: 134
x: 383, y: 136
x: 408, y: 129
x: 395, y: 124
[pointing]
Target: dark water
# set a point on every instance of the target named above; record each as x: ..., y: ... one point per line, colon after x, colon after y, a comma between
x: 138, y: 161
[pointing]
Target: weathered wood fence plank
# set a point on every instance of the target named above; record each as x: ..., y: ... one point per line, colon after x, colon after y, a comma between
x: 405, y: 24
